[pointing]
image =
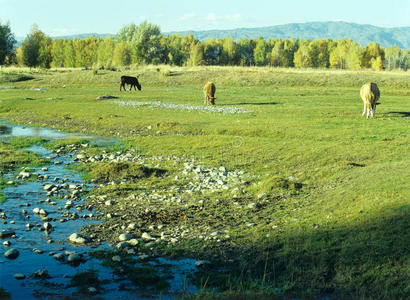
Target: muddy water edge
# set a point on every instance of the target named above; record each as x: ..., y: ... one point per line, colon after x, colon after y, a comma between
x: 42, y: 217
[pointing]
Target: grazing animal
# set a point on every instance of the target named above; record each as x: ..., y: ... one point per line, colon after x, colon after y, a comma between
x: 370, y: 94
x: 132, y: 81
x: 209, y: 93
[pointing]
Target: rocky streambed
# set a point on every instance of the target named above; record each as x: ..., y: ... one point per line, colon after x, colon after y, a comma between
x: 48, y: 249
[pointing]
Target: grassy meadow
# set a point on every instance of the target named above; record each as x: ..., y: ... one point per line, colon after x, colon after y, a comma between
x: 333, y: 187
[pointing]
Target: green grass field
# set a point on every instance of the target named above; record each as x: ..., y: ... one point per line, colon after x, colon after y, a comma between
x: 343, y: 231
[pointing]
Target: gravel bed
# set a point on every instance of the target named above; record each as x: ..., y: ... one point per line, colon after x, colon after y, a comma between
x: 159, y: 104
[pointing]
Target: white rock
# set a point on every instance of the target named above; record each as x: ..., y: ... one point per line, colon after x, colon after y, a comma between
x: 48, y: 187
x: 109, y: 203
x: 133, y: 242
x: 123, y: 245
x: 24, y: 174
x: 116, y: 258
x: 19, y: 276
x: 252, y: 205
x: 132, y: 226
x: 147, y: 236
x: 47, y: 226
x: 76, y: 238
x: 80, y: 156
x: 125, y: 237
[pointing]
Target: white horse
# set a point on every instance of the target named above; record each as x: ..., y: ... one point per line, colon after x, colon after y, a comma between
x: 369, y: 93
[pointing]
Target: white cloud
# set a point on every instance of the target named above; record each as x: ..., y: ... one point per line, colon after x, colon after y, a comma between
x: 187, y: 17
x: 62, y: 31
x: 211, y: 17
x: 211, y: 20
x: 234, y: 17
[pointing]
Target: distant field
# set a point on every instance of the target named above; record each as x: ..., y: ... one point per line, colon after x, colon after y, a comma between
x: 342, y: 228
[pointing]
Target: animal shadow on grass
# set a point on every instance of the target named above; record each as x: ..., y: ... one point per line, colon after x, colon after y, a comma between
x: 403, y: 114
x: 175, y: 73
x: 249, y: 103
x: 353, y: 164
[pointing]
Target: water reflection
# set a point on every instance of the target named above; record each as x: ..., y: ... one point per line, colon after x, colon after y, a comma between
x: 5, y: 130
x: 8, y: 130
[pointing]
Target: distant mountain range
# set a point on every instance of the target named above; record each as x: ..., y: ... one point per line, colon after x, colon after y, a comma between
x: 362, y: 34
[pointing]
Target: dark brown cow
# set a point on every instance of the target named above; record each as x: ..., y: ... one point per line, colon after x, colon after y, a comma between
x: 132, y: 81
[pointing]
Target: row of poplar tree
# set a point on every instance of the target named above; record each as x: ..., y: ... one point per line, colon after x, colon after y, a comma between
x: 145, y: 44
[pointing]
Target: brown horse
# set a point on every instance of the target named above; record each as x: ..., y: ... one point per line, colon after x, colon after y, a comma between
x: 209, y: 93
x: 132, y: 81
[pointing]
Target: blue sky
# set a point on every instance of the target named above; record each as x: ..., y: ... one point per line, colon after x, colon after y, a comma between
x: 56, y: 17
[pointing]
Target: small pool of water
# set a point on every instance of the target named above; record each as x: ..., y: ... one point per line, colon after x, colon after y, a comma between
x: 8, y: 130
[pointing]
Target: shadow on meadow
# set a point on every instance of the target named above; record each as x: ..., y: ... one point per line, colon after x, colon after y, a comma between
x: 403, y: 114
x: 249, y: 103
x: 368, y: 259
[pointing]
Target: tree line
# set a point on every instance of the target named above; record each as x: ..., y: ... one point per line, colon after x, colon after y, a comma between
x: 145, y: 44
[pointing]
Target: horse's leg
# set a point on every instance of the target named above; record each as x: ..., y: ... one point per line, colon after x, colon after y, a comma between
x: 369, y: 109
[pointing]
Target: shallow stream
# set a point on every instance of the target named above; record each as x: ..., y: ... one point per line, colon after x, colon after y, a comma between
x: 38, y: 249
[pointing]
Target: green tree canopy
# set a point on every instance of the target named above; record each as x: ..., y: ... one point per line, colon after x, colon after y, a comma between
x: 259, y: 52
x: 7, y: 42
x: 122, y: 54
x: 145, y: 40
x: 36, y: 49
x: 105, y: 52
x: 371, y: 53
x: 196, y: 55
x: 304, y: 55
